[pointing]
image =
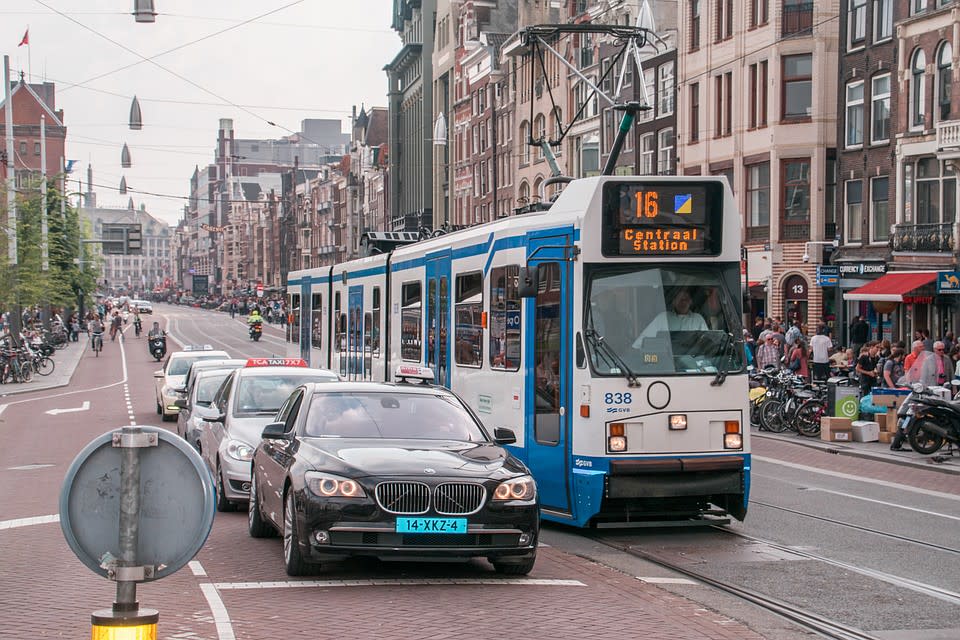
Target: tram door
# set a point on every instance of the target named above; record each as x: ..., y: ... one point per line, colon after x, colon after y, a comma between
x: 438, y: 317
x: 355, y: 333
x: 548, y: 376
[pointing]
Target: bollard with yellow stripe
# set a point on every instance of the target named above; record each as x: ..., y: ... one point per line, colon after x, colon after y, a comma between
x: 110, y: 624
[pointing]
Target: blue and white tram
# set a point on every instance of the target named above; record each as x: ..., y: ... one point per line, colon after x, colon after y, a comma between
x: 606, y: 331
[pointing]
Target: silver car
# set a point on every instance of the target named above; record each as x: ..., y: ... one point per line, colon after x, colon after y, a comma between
x: 196, y: 405
x: 244, y: 404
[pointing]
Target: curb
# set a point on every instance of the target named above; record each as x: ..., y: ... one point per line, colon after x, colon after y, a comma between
x: 922, y: 463
x: 18, y: 388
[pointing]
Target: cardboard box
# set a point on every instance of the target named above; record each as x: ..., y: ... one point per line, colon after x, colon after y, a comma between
x: 865, y: 431
x: 831, y: 426
x: 837, y: 435
x: 890, y: 424
x: 881, y: 419
x: 885, y: 437
x: 890, y: 398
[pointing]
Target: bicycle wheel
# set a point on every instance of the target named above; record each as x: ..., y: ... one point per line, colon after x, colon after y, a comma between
x: 771, y: 416
x: 44, y: 366
x: 24, y: 372
x: 808, y: 417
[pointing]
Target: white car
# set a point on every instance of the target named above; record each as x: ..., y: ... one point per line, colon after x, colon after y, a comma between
x: 171, y: 377
x: 143, y: 306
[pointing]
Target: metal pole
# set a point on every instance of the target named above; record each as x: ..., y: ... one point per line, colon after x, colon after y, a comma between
x: 11, y: 173
x: 129, y: 521
x: 44, y: 248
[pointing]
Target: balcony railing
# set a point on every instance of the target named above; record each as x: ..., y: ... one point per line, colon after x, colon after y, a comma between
x: 948, y: 134
x: 794, y: 231
x: 755, y: 234
x: 932, y: 238
x: 797, y: 19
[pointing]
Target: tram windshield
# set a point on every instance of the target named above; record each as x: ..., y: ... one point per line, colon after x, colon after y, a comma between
x: 662, y: 320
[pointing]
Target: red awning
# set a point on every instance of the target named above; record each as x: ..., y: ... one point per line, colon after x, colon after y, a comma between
x: 891, y: 287
x: 756, y: 283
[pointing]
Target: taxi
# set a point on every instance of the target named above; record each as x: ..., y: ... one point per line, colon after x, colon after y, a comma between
x: 171, y: 377
x: 244, y: 404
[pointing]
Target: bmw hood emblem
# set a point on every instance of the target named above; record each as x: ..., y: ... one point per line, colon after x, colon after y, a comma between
x: 428, y: 470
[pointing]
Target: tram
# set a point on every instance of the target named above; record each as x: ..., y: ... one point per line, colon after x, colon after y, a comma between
x: 605, y: 331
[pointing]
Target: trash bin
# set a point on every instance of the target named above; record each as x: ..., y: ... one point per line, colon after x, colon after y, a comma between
x: 843, y: 400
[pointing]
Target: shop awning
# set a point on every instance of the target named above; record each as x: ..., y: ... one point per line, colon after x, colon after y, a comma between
x: 891, y: 287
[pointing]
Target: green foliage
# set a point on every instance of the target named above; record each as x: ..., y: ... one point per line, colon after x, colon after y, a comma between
x: 61, y: 283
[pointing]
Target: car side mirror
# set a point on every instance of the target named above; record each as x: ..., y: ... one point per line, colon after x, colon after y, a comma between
x: 275, y: 431
x: 218, y: 417
x: 180, y: 403
x: 503, y: 435
x: 158, y: 374
x: 528, y: 282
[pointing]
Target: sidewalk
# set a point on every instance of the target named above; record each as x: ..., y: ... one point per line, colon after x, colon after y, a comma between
x: 870, y: 451
x: 65, y: 363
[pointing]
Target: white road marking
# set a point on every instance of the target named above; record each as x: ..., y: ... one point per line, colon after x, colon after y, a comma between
x: 295, y: 584
x: 220, y: 615
x: 26, y: 522
x: 29, y: 467
x: 3, y: 408
x: 656, y: 580
x: 84, y: 407
x: 197, y: 568
x: 847, y: 476
x: 886, y: 504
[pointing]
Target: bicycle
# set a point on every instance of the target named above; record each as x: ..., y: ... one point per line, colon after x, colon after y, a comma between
x: 96, y: 341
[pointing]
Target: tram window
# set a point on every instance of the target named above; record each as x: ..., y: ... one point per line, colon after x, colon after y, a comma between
x: 411, y: 321
x: 375, y: 324
x: 295, y: 307
x: 367, y: 344
x: 468, y: 328
x: 316, y: 320
x: 505, y: 318
x: 337, y: 325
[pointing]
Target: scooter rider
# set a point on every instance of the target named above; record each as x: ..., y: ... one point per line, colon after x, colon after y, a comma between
x: 156, y: 331
x: 255, y: 317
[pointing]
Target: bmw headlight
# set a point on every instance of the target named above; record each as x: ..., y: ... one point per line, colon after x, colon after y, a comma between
x: 239, y: 450
x: 522, y: 489
x: 328, y: 485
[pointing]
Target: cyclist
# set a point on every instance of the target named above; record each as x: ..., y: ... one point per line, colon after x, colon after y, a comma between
x: 116, y: 322
x: 137, y: 324
x: 95, y: 329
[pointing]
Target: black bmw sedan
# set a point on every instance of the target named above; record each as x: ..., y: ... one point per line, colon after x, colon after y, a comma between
x: 390, y: 470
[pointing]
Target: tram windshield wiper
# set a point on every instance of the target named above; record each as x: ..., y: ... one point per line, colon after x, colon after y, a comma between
x: 723, y: 354
x: 596, y: 341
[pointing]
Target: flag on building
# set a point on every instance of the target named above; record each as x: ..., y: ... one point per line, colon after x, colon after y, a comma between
x: 26, y: 38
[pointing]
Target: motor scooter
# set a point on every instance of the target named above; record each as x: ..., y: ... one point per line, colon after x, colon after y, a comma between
x: 935, y: 422
x: 256, y: 330
x: 157, y: 346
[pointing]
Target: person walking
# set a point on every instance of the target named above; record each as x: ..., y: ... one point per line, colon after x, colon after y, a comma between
x: 867, y: 369
x: 768, y: 353
x: 859, y: 333
x: 797, y: 362
x: 820, y: 345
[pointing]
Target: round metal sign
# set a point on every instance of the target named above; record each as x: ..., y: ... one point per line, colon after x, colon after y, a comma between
x: 177, y: 504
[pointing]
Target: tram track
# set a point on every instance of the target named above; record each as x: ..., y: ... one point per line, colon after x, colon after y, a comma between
x: 806, y: 619
x: 892, y: 536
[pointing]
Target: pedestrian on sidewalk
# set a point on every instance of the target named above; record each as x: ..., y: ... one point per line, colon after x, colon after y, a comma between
x: 867, y: 369
x: 820, y: 345
x: 859, y: 333
x: 893, y: 368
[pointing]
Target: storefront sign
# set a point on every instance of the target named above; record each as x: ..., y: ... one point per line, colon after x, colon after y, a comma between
x: 860, y: 269
x: 918, y: 299
x: 948, y: 282
x: 828, y: 275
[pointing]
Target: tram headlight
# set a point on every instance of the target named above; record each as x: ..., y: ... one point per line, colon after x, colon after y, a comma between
x: 678, y: 422
x: 617, y: 443
x: 732, y: 441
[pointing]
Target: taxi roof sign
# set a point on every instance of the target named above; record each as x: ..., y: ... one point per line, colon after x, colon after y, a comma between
x: 198, y: 347
x: 414, y: 372
x: 275, y: 362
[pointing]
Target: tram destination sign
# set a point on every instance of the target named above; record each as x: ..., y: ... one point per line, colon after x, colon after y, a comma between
x: 662, y: 219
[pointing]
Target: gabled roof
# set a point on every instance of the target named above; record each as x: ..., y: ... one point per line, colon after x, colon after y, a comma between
x: 377, y: 127
x: 21, y: 85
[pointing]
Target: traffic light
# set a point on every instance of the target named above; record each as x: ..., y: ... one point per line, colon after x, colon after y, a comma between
x: 133, y: 245
x: 121, y: 239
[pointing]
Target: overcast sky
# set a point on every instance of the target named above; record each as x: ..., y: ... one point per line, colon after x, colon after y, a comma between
x: 276, y: 60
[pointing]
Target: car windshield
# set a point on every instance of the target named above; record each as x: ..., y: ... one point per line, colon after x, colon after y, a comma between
x: 207, y: 387
x: 656, y: 320
x: 406, y: 416
x: 180, y: 366
x: 265, y: 394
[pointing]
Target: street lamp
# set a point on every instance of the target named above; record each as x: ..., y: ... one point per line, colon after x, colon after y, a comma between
x: 143, y: 11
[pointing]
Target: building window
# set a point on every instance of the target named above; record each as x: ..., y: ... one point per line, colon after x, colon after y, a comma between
x: 759, y: 12
x: 854, y: 214
x: 797, y: 95
x: 797, y: 17
x: 540, y: 127
x: 917, y: 6
x: 525, y: 142
x: 23, y: 148
x: 752, y: 107
x: 728, y: 103
x: 665, y: 89
x: 931, y: 185
x: 795, y: 178
x: 917, y: 97
x: 830, y: 196
x: 646, y: 154
x: 758, y: 195
x: 880, y: 109
x: 665, y: 152
x: 854, y: 124
x: 879, y: 207
x: 649, y: 96
x: 763, y: 86
x: 883, y: 20
x: 694, y: 25
x: 590, y: 157
x: 36, y: 148
x: 944, y: 74
x: 857, y: 23
x: 694, y: 112
x: 723, y: 25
